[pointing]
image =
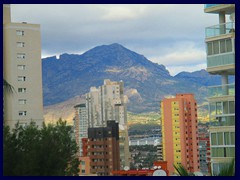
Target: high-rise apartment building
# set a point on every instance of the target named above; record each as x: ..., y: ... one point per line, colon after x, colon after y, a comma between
x: 22, y: 68
x: 220, y: 47
x: 107, y: 103
x: 180, y: 132
x: 204, y: 148
x: 160, y: 152
x: 80, y: 125
x: 103, y: 149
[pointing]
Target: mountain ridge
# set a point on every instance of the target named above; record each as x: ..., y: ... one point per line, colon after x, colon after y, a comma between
x: 72, y: 75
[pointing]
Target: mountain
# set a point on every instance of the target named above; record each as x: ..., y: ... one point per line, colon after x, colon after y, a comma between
x: 202, y: 77
x: 145, y: 83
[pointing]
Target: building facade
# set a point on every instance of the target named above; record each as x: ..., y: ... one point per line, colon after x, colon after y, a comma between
x: 80, y: 125
x: 220, y: 47
x: 180, y: 132
x: 160, y: 152
x: 84, y: 166
x: 22, y: 68
x: 103, y: 149
x: 204, y: 148
x: 107, y: 103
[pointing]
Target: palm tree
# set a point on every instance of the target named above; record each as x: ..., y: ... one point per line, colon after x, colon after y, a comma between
x: 7, y: 87
x: 182, y: 171
x: 228, y: 169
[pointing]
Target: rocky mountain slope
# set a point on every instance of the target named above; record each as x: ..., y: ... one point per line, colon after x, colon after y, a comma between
x: 145, y: 83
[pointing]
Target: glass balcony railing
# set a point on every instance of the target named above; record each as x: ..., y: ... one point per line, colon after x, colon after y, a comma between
x: 223, y: 121
x: 210, y: 5
x: 220, y: 29
x: 221, y: 60
x: 222, y: 90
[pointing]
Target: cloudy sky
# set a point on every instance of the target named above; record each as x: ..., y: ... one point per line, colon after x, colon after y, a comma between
x: 172, y: 35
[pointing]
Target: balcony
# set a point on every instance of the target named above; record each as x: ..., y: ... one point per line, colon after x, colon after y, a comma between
x: 220, y: 29
x: 223, y: 121
x: 221, y: 90
x: 216, y: 8
x: 221, y: 63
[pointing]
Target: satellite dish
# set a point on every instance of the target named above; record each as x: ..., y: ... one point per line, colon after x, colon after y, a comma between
x: 198, y: 174
x: 126, y: 168
x: 159, y: 173
x: 155, y: 167
x: 232, y: 17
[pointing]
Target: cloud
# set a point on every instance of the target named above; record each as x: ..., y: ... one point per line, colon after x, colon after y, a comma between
x: 174, y: 70
x: 181, y: 53
x: 122, y: 12
x: 170, y: 34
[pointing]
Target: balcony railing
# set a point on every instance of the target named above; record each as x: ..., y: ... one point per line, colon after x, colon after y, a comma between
x: 222, y: 90
x: 223, y: 121
x: 220, y: 29
x: 210, y: 5
x: 221, y: 60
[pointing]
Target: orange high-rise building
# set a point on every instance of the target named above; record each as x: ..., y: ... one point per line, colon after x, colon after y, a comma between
x: 180, y: 132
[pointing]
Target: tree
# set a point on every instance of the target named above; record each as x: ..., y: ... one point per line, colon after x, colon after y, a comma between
x: 7, y: 87
x: 182, y: 171
x: 30, y: 151
x: 228, y: 169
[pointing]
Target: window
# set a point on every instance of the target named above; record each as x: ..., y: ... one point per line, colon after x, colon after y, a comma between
x: 219, y: 46
x: 21, y: 55
x: 223, y: 152
x: 222, y: 46
x: 213, y: 138
x: 20, y: 44
x: 218, y: 107
x: 210, y: 48
x: 83, y: 171
x: 21, y: 78
x: 231, y: 107
x: 22, y: 101
x: 21, y: 67
x: 22, y: 113
x: 220, y: 138
x: 83, y: 163
x: 225, y: 107
x: 20, y: 33
x: 228, y: 45
x: 232, y: 137
x: 215, y: 47
x: 22, y: 90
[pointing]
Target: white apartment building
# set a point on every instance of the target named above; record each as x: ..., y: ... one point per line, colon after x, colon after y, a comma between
x: 80, y: 125
x: 107, y: 103
x: 22, y: 68
x: 220, y: 47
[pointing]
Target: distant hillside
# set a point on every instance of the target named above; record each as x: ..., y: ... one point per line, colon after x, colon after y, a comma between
x: 146, y: 83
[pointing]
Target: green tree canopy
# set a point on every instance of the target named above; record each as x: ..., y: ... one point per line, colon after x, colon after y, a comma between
x: 30, y: 151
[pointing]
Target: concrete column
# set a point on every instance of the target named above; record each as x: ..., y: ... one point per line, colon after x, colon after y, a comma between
x: 224, y: 84
x: 222, y: 20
